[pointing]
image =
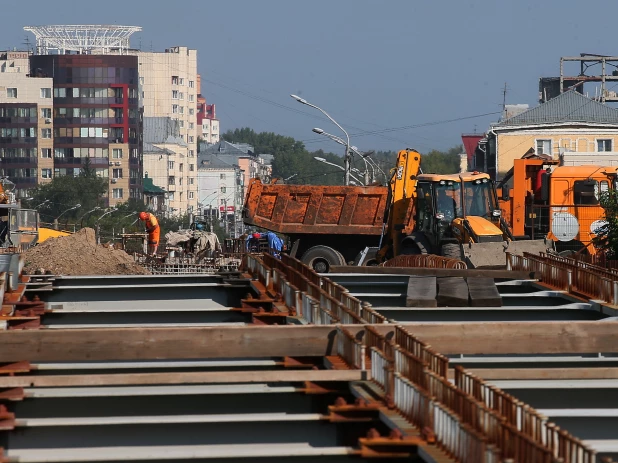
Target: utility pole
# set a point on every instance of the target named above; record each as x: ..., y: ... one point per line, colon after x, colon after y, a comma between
x: 225, y: 221
x: 504, y: 98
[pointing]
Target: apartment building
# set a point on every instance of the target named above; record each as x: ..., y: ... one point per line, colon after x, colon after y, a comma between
x: 96, y: 116
x: 168, y: 165
x: 14, y: 61
x: 168, y: 89
x: 207, y: 117
x: 26, y: 129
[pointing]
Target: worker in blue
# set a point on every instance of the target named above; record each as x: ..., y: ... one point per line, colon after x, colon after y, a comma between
x: 275, y: 243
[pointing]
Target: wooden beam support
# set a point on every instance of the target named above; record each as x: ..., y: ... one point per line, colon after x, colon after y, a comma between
x: 495, y: 374
x: 208, y: 377
x: 297, y: 341
x: 435, y: 272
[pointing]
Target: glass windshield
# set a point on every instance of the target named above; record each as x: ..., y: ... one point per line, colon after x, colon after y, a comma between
x: 447, y: 199
x: 480, y: 199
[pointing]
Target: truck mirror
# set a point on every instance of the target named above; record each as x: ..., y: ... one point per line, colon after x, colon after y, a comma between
x: 506, y: 193
x: 545, y: 186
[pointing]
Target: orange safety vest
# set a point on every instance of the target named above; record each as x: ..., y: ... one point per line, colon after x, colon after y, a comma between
x: 152, y: 227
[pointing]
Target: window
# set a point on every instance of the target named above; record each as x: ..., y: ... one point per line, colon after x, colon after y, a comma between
x: 180, y: 183
x: 117, y: 173
x: 223, y: 202
x: 223, y: 189
x: 60, y: 92
x: 174, y: 109
x: 191, y: 167
x: 181, y: 81
x: 191, y: 111
x: 181, y: 124
x: 191, y: 125
x: 174, y: 80
x: 222, y: 176
x: 191, y: 180
x: 191, y: 84
x: 191, y: 153
x: 174, y: 94
x: 180, y: 166
x: 181, y: 109
x: 604, y: 145
x: 181, y: 96
x: 543, y: 147
x: 191, y: 139
x: 171, y: 180
x: 11, y: 92
x: 586, y: 192
x: 117, y: 193
x: 191, y: 98
x: 170, y: 196
x: 170, y: 165
x: 46, y: 173
x: 46, y: 153
x: 45, y: 133
x: 46, y: 113
x: 190, y: 195
x: 117, y: 153
x: 46, y: 93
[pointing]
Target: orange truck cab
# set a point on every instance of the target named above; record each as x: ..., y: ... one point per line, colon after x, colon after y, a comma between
x: 557, y: 202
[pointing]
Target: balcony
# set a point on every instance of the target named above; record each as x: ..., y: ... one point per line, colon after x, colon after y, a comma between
x: 14, y: 163
x: 18, y: 141
x: 79, y: 121
x: 19, y: 120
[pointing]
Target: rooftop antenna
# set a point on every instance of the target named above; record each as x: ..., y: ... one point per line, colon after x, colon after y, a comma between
x: 504, y: 98
x: 27, y: 43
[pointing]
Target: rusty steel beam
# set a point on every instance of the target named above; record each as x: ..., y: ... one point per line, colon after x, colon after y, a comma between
x: 493, y: 374
x: 297, y: 341
x: 210, y: 377
x: 436, y: 272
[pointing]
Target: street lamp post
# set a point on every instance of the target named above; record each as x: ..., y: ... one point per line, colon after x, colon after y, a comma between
x: 98, y: 228
x: 77, y: 206
x: 346, y: 159
x: 353, y: 149
x: 317, y: 158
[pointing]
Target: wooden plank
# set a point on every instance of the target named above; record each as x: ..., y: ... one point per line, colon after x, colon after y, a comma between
x: 544, y: 373
x: 483, y: 293
x: 452, y: 292
x: 421, y: 292
x: 219, y: 342
x: 209, y: 377
x: 436, y: 272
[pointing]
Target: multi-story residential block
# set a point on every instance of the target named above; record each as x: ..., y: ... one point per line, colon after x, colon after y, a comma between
x: 89, y: 108
x: 168, y: 164
x: 26, y: 129
x: 168, y: 86
x: 207, y: 117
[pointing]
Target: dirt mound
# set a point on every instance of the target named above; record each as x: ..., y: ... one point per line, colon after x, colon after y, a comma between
x: 79, y: 254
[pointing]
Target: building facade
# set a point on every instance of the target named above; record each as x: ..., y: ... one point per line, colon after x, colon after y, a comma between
x: 568, y: 123
x: 168, y: 89
x: 168, y: 164
x: 96, y: 116
x: 221, y: 192
x: 14, y: 62
x: 26, y: 130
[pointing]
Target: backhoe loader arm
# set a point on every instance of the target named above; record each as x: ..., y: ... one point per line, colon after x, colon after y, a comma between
x: 401, y: 201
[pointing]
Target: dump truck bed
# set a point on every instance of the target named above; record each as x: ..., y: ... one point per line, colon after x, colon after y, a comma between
x: 313, y: 209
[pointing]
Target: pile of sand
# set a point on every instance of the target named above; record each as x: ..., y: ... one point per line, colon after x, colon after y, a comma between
x: 79, y: 254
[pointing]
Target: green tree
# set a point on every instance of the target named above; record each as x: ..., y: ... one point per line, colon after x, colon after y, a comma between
x: 606, y: 239
x: 442, y: 162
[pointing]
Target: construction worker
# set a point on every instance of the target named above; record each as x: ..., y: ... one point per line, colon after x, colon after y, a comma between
x: 152, y: 227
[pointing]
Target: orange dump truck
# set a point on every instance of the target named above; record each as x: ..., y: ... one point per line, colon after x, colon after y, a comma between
x: 327, y: 225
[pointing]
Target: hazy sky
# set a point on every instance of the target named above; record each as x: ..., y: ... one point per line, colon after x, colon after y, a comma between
x: 376, y: 66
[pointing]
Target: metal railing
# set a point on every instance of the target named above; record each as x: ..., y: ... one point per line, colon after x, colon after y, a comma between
x: 570, y: 275
x: 426, y: 261
x: 350, y: 349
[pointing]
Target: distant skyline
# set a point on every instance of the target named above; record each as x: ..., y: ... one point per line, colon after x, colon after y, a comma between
x: 392, y: 72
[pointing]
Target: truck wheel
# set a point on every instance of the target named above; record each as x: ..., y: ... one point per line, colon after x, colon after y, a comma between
x: 322, y: 258
x: 451, y: 250
x: 414, y: 244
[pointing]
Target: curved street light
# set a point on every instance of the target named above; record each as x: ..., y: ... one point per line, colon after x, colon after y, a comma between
x: 353, y: 149
x: 317, y: 158
x: 346, y: 159
x: 81, y: 223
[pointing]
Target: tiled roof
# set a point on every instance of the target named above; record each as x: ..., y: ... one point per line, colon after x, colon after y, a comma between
x: 210, y: 161
x: 567, y: 107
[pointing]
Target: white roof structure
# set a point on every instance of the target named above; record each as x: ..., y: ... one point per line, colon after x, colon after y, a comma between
x: 83, y: 39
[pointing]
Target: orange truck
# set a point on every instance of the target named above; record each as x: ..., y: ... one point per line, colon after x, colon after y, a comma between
x: 546, y: 199
x: 327, y: 225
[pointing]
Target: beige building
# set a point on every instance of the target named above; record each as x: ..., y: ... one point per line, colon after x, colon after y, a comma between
x: 568, y: 123
x: 14, y: 62
x: 168, y: 86
x: 168, y: 164
x: 26, y: 132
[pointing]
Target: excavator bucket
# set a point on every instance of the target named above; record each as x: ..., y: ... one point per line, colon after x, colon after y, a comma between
x: 493, y: 255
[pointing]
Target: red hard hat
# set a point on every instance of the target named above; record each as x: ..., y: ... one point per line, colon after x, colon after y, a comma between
x: 143, y: 215
x: 256, y: 236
